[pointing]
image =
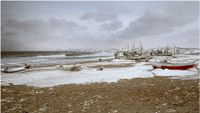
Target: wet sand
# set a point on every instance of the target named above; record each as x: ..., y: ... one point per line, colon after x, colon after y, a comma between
x: 141, y: 95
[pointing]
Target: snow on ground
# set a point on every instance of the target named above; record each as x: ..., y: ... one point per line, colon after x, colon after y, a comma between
x: 112, y: 62
x: 177, y: 59
x: 198, y: 66
x: 159, y: 59
x: 184, y: 58
x: 117, y: 61
x: 49, y: 78
x: 142, y: 63
x: 166, y: 72
x: 50, y: 56
x: 56, y: 77
x: 192, y: 77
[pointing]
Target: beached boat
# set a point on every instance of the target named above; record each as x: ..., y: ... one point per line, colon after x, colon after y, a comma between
x: 162, y: 52
x: 132, y: 56
x: 137, y: 54
x: 119, y: 55
x: 13, y: 70
x: 173, y: 66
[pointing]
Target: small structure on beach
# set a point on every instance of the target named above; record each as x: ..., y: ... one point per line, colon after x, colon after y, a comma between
x: 27, y: 66
x: 69, y: 68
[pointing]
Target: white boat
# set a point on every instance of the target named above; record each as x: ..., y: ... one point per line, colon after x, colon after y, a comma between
x: 13, y: 70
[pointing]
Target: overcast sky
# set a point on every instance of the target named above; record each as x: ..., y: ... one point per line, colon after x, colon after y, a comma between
x: 84, y: 25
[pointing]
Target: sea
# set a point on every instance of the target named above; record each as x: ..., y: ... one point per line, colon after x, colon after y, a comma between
x: 39, y: 60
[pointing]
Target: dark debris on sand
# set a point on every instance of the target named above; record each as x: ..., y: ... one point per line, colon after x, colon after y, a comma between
x: 149, y: 95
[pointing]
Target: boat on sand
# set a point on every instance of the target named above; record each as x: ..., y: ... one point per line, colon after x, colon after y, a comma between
x: 173, y: 66
x: 13, y: 70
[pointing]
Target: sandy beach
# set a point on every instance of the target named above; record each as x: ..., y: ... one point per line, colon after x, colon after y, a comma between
x: 100, y: 57
x: 123, y: 86
x: 142, y: 95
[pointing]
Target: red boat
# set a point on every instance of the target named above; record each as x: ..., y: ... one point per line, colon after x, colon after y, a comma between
x: 173, y: 66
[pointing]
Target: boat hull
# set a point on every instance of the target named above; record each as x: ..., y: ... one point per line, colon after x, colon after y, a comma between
x: 13, y: 70
x: 174, y: 67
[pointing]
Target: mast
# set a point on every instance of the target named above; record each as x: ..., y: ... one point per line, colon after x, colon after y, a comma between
x: 133, y: 46
x: 167, y: 49
x: 174, y: 50
x: 141, y: 49
x: 128, y: 47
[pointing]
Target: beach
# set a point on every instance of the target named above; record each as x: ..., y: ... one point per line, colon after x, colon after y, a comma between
x: 103, y: 86
x: 100, y: 57
x: 141, y: 95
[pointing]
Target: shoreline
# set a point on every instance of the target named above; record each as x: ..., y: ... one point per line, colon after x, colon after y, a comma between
x: 90, y: 72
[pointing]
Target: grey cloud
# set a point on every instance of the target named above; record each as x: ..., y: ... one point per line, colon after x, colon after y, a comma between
x: 189, y: 38
x: 115, y: 25
x: 35, y: 33
x: 66, y: 25
x: 152, y: 24
x: 99, y: 16
x: 185, y: 38
x: 155, y: 22
x: 32, y: 26
x: 36, y: 25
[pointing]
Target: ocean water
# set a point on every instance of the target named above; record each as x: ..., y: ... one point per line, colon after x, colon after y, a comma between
x: 48, y: 60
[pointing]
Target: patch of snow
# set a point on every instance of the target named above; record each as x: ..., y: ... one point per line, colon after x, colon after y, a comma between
x: 143, y: 68
x: 141, y: 64
x: 113, y: 62
x: 49, y: 78
x: 193, y: 77
x: 122, y: 61
x: 56, y: 77
x: 177, y: 59
x: 198, y: 66
x: 166, y: 72
x: 51, y: 56
x: 159, y: 59
x: 184, y: 58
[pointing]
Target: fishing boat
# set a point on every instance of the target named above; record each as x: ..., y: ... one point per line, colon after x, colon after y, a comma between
x: 173, y: 66
x: 162, y: 52
x: 137, y: 54
x: 119, y: 55
x: 13, y: 70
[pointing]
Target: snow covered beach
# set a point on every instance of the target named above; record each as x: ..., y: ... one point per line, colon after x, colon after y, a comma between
x: 123, y: 86
x: 114, y: 70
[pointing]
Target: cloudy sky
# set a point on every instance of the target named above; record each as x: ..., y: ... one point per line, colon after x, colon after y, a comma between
x: 84, y: 25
